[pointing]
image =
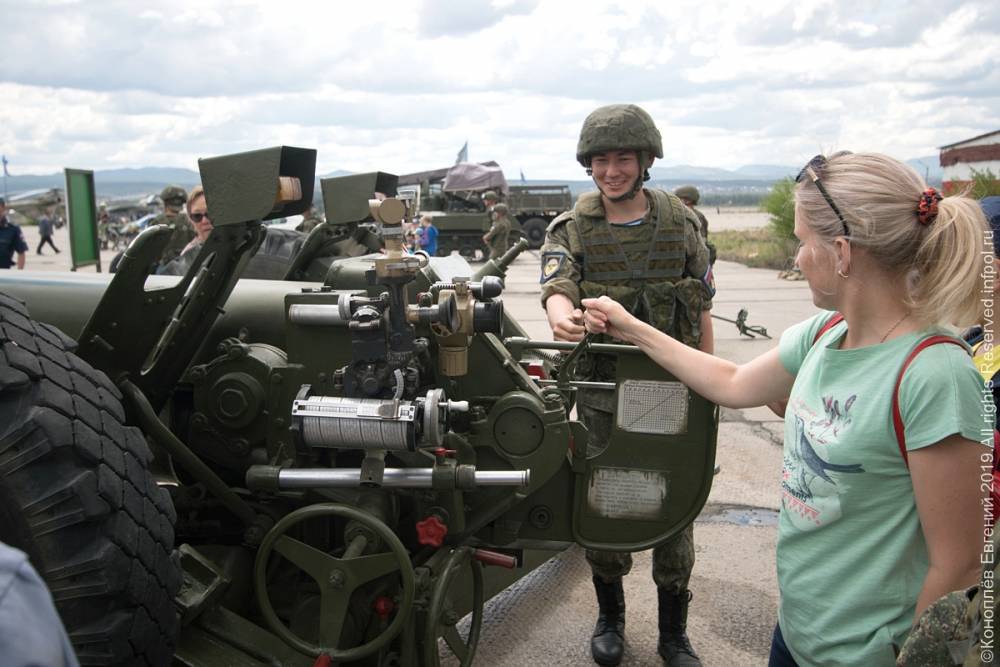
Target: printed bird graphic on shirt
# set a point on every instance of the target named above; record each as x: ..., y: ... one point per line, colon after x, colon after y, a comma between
x: 816, y: 465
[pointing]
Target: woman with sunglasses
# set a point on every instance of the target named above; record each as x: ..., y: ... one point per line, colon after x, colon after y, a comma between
x: 197, y: 213
x: 873, y: 527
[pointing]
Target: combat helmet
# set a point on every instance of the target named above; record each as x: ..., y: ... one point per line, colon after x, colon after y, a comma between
x: 688, y: 193
x: 618, y: 127
x: 500, y: 208
x: 173, y: 195
x: 489, y: 194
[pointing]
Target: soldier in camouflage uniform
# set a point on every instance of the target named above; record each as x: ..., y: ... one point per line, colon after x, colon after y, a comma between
x: 490, y: 200
x: 643, y: 248
x: 498, y: 237
x: 173, y: 200
x: 690, y: 196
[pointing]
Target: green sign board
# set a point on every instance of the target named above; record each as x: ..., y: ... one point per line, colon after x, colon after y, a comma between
x: 81, y: 214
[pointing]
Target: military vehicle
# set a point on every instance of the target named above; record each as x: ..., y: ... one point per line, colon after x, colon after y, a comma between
x: 264, y: 472
x: 453, y: 197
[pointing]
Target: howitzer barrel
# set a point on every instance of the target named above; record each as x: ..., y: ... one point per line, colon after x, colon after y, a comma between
x: 410, y: 478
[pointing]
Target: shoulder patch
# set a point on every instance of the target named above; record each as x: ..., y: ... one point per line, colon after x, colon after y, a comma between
x: 551, y: 263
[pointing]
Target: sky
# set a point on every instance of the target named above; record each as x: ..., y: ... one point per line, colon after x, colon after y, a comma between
x: 401, y: 86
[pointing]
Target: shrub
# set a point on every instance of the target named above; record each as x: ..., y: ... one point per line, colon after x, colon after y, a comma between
x: 780, y: 203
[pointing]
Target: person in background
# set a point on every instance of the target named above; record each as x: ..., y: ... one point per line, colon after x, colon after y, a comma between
x: 45, y: 231
x: 197, y: 214
x: 498, y: 237
x: 428, y: 235
x: 879, y: 516
x: 11, y: 240
x: 690, y: 196
x: 173, y: 198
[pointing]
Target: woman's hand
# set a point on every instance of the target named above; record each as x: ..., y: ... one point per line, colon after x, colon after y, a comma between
x: 605, y: 315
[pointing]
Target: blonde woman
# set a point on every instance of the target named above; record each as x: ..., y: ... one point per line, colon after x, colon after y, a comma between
x: 873, y: 527
x: 197, y: 213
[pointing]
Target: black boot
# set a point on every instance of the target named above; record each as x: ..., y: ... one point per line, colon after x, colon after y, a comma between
x: 674, y: 646
x: 608, y: 642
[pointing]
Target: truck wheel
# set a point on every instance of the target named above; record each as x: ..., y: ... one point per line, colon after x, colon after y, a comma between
x: 533, y: 229
x: 77, y: 496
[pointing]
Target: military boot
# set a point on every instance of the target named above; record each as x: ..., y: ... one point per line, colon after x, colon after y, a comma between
x: 608, y: 642
x: 674, y: 646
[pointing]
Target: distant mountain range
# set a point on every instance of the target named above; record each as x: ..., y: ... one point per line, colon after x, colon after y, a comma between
x: 752, y: 177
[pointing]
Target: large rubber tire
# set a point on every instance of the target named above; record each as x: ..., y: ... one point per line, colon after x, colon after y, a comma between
x: 76, y: 495
x: 533, y: 229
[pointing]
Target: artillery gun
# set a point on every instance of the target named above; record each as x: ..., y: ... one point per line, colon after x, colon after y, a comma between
x: 250, y: 472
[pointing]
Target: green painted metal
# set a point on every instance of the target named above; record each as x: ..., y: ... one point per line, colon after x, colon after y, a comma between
x: 81, y: 214
x: 345, y: 198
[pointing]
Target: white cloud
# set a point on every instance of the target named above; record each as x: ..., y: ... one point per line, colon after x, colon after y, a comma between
x: 399, y: 86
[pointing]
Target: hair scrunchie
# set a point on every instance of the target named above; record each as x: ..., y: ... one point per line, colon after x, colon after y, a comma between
x: 927, y: 209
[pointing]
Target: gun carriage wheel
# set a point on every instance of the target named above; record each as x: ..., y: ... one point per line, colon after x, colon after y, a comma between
x: 337, y: 578
x: 441, y: 620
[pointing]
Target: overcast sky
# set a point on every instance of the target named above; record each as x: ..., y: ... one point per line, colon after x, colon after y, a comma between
x: 400, y: 86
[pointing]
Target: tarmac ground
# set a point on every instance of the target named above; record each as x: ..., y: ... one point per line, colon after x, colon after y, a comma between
x: 547, y: 617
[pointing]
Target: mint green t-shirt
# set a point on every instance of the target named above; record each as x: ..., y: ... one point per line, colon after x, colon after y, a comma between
x: 851, y: 554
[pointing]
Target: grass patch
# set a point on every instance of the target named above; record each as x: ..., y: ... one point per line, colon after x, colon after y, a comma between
x: 756, y: 248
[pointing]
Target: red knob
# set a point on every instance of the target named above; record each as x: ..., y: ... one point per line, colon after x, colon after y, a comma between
x: 442, y: 452
x: 324, y: 660
x: 384, y: 606
x: 431, y: 531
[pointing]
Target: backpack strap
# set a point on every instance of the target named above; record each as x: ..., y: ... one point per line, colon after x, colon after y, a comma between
x: 897, y: 417
x: 830, y: 323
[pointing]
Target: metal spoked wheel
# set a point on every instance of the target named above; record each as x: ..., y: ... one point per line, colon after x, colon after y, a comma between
x: 441, y: 620
x: 338, y: 578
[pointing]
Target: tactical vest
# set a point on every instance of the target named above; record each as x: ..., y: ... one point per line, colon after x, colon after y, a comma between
x: 182, y: 234
x: 653, y: 288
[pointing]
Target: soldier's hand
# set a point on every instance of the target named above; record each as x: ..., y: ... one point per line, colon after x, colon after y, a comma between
x: 570, y: 328
x: 607, y: 316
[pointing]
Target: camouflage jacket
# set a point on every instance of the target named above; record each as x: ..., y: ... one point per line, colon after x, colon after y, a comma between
x: 658, y: 269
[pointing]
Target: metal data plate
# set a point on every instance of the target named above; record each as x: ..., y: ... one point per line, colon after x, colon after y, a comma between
x: 618, y: 493
x: 648, y: 406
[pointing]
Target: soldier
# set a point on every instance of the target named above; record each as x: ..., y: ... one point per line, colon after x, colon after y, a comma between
x: 642, y: 247
x: 499, y: 235
x: 490, y: 200
x: 690, y: 196
x: 309, y: 220
x: 173, y: 199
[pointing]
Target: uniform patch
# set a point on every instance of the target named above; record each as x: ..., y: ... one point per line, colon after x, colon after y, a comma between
x: 709, y: 280
x: 551, y: 263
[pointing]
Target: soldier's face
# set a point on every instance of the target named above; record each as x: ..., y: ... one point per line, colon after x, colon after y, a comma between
x: 615, y: 172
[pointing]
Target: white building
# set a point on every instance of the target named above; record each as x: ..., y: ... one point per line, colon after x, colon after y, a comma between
x: 959, y: 159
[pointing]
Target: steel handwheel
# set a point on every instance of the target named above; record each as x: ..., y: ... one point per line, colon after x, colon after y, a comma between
x: 338, y: 578
x: 464, y: 649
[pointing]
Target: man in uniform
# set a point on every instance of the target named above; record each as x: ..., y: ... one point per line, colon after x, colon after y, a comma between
x: 490, y: 200
x: 641, y: 247
x: 499, y: 235
x: 690, y: 196
x: 11, y: 240
x: 173, y: 200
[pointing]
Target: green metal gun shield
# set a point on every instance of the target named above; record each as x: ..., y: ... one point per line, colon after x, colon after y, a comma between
x: 245, y: 186
x: 655, y: 475
x: 345, y: 198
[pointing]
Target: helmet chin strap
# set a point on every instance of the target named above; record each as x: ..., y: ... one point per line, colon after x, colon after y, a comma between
x: 636, y: 186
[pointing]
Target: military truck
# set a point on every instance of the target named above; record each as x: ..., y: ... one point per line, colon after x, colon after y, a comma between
x: 214, y: 471
x: 453, y: 197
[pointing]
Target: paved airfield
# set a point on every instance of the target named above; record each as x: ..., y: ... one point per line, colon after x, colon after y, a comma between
x: 547, y: 618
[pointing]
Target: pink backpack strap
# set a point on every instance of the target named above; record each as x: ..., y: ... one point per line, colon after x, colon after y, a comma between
x: 897, y: 417
x: 830, y: 323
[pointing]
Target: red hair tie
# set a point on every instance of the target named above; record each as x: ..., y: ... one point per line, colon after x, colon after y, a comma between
x: 927, y: 209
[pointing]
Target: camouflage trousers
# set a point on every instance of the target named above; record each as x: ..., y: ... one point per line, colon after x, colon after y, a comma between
x: 674, y: 559
x: 672, y: 562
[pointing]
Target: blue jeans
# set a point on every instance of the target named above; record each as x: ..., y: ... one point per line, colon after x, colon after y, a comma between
x: 780, y: 655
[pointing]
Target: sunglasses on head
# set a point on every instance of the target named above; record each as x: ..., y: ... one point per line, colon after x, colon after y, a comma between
x: 812, y: 170
x: 197, y: 217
